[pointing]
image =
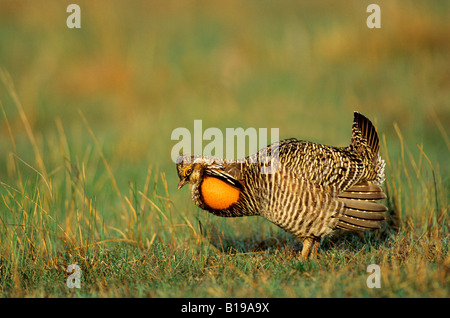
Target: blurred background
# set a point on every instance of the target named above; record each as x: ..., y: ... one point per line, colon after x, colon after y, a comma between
x: 137, y: 70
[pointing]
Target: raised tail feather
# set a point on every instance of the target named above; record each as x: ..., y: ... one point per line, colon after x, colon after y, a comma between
x: 361, y: 211
x: 365, y: 141
x: 364, y: 135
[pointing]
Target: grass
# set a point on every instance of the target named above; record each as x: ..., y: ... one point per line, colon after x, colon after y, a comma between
x: 85, y: 170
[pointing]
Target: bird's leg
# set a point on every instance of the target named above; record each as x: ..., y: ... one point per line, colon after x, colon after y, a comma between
x: 315, y: 248
x: 307, y: 242
x: 310, y: 247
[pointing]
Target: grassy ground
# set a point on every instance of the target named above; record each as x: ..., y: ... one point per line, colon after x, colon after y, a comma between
x: 85, y: 171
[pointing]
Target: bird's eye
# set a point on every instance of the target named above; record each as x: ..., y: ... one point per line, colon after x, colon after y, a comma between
x: 187, y: 171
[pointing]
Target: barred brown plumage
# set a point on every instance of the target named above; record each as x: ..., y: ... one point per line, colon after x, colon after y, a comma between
x: 315, y: 190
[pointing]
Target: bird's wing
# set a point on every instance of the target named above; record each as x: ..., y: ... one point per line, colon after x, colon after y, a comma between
x: 324, y: 166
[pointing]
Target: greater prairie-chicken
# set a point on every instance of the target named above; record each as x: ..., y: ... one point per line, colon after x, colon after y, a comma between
x: 315, y: 189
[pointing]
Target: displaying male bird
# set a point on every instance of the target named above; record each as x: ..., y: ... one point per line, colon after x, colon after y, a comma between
x: 314, y: 190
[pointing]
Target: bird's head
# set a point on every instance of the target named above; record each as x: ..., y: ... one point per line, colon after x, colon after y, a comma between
x: 189, y: 172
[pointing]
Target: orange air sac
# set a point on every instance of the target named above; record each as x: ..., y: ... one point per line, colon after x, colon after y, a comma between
x: 218, y: 194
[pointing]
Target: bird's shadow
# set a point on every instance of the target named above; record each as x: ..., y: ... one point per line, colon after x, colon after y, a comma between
x: 280, y: 241
x: 340, y: 239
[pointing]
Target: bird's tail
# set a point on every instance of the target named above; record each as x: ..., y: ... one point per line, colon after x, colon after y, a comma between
x: 366, y: 143
x: 361, y: 209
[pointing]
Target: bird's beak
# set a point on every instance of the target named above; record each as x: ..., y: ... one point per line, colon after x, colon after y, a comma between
x: 181, y: 184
